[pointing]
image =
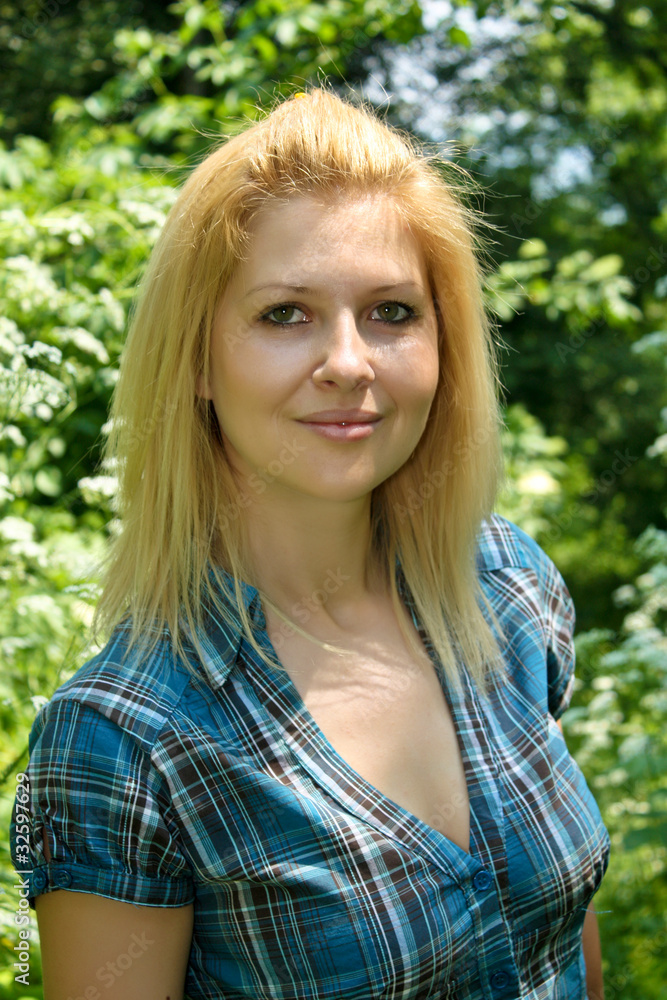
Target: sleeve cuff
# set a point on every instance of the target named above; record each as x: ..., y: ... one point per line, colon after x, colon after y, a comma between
x: 126, y: 887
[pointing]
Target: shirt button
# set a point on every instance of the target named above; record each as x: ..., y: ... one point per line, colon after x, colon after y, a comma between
x: 482, y: 881
x: 62, y: 879
x: 499, y: 980
x: 39, y: 880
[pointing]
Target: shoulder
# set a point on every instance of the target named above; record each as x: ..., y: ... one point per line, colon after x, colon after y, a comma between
x: 135, y: 692
x: 506, y: 554
x: 521, y: 581
x: 533, y: 608
x: 502, y: 545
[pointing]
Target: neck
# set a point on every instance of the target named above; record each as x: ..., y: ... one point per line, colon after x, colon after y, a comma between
x: 314, y: 554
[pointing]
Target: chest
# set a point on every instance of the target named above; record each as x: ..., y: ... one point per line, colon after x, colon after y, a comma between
x: 383, y: 710
x: 337, y: 903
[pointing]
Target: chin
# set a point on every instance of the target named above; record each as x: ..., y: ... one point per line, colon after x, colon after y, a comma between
x: 336, y: 491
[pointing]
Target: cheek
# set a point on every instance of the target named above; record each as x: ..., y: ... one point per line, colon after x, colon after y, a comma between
x: 230, y: 392
x: 233, y: 373
x: 434, y: 367
x: 424, y: 368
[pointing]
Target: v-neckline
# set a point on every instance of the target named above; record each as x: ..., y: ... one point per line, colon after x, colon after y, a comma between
x: 326, y: 766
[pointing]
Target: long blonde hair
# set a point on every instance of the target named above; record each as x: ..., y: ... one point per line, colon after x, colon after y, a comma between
x: 174, y: 483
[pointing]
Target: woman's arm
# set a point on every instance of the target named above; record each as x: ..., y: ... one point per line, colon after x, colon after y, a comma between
x: 94, y: 948
x: 593, y: 957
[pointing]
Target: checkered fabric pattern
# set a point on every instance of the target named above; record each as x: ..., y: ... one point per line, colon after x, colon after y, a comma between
x: 164, y: 783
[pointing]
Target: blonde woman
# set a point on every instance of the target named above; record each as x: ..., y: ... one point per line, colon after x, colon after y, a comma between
x: 318, y: 756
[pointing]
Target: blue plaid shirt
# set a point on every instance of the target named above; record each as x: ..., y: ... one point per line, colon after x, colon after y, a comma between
x: 162, y: 785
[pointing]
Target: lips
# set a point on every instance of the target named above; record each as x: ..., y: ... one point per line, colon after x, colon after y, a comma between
x: 335, y: 430
x: 341, y: 417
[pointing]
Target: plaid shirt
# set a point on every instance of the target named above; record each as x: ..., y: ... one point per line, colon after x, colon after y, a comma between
x: 163, y: 785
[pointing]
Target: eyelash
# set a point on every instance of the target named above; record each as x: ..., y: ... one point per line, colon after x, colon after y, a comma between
x: 411, y: 314
x: 265, y: 316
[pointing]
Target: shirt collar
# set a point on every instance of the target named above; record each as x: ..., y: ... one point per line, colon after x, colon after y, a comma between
x: 221, y: 640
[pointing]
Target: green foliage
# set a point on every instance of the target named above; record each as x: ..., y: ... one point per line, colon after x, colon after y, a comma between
x: 107, y: 105
x: 167, y: 74
x: 576, y: 311
x: 618, y: 735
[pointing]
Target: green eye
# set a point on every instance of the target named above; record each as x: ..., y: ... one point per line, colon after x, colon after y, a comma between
x: 393, y: 312
x: 283, y: 315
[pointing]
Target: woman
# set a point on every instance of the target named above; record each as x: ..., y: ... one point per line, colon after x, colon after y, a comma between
x: 319, y: 755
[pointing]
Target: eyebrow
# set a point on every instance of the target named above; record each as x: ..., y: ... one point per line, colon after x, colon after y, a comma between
x: 306, y: 290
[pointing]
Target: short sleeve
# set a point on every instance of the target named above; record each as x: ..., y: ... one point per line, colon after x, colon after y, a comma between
x: 560, y: 618
x: 91, y: 790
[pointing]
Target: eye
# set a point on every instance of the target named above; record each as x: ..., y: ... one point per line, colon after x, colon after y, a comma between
x: 393, y: 312
x: 284, y: 315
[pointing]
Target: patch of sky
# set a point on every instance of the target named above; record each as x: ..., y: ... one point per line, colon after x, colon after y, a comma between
x: 411, y: 84
x: 432, y: 108
x: 570, y: 166
x: 615, y: 215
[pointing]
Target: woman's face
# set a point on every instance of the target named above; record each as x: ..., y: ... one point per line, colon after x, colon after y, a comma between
x: 330, y: 311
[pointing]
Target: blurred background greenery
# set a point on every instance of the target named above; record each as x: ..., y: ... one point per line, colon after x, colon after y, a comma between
x: 559, y: 110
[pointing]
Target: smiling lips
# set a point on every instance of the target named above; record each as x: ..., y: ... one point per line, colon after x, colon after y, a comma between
x: 342, y: 425
x: 342, y: 417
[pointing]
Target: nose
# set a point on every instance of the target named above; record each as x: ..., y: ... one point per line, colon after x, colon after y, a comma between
x: 344, y: 359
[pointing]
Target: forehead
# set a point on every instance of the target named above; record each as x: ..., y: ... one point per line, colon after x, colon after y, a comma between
x: 310, y: 228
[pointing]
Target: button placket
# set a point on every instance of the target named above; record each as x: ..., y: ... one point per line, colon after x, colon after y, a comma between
x: 485, y: 905
x: 482, y: 881
x: 499, y: 980
x: 326, y: 768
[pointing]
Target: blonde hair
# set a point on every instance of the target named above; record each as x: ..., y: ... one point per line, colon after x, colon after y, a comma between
x: 174, y: 483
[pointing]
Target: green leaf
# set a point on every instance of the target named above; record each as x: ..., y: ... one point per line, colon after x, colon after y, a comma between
x: 286, y: 31
x: 603, y: 267
x: 49, y: 481
x: 458, y: 36
x: 532, y: 248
